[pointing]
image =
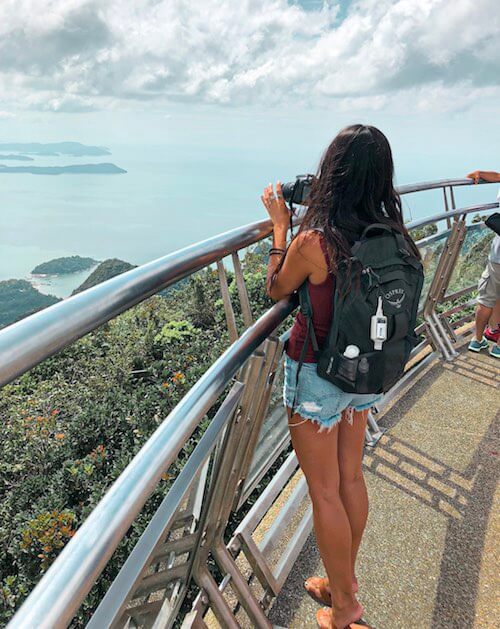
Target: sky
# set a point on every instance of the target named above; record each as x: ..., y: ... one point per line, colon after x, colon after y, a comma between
x: 257, y: 75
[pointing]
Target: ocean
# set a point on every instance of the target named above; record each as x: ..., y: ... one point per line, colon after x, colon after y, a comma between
x: 170, y: 197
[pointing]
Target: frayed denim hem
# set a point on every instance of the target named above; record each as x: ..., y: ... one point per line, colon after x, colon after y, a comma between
x: 363, y: 407
x: 324, y: 424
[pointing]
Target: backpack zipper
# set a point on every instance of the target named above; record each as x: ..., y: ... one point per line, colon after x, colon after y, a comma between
x: 330, y: 365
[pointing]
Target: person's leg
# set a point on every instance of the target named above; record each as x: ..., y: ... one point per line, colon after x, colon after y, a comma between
x: 485, y: 301
x: 352, y: 483
x: 352, y: 487
x: 483, y: 315
x: 317, y: 456
x: 495, y: 328
x: 494, y: 321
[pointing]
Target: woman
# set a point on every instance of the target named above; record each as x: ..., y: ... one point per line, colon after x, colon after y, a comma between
x: 353, y: 188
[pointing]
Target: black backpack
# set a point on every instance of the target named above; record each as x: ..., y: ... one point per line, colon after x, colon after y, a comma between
x: 385, y: 276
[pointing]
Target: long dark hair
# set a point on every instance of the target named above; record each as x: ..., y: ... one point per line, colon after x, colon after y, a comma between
x: 354, y: 188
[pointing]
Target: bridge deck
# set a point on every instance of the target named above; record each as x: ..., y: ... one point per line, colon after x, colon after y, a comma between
x: 428, y: 557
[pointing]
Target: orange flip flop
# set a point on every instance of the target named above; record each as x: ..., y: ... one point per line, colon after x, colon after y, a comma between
x: 319, y: 584
x: 324, y: 617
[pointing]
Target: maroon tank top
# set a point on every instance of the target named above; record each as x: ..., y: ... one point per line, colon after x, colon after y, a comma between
x: 321, y: 296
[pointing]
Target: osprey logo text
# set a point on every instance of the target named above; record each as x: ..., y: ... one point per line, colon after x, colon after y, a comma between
x: 395, y: 297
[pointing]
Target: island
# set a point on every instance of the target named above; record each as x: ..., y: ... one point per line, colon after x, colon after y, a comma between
x: 60, y: 266
x: 105, y: 271
x: 74, y: 149
x: 18, y: 299
x: 75, y: 169
x: 18, y: 158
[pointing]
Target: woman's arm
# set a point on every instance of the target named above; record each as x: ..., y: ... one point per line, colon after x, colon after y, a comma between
x: 279, y: 242
x: 285, y: 276
x: 296, y: 268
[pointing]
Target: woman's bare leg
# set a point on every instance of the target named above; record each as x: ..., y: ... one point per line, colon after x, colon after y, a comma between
x: 352, y: 488
x: 353, y: 491
x: 317, y: 456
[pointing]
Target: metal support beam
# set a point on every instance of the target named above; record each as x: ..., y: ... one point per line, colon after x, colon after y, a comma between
x: 441, y: 338
x: 246, y: 311
x: 226, y: 300
x: 225, y: 481
x: 373, y: 430
x: 273, y: 349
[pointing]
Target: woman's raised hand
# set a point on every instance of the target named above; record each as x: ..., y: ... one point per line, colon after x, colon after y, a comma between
x: 275, y: 205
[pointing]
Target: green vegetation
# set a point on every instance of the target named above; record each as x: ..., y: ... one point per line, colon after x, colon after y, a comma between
x: 423, y: 232
x: 72, y: 424
x: 19, y: 299
x: 105, y: 271
x: 70, y: 264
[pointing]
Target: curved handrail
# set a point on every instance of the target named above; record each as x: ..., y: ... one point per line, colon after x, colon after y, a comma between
x: 60, y: 592
x: 434, y: 185
x: 483, y: 207
x: 33, y: 339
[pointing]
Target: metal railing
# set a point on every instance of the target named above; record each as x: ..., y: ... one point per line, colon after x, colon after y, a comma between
x: 30, y: 341
x: 193, y: 517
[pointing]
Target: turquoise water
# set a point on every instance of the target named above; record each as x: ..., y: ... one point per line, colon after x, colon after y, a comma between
x: 170, y: 197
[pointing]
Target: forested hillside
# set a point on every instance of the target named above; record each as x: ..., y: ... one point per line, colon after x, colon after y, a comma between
x: 73, y: 423
x: 18, y: 299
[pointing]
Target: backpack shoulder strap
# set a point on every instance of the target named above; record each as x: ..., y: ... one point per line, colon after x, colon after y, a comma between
x: 306, y: 310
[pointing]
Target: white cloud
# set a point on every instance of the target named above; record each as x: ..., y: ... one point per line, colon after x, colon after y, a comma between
x: 78, y: 55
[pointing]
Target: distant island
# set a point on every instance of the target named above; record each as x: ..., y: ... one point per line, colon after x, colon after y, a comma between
x: 75, y: 169
x: 18, y: 158
x: 106, y: 270
x: 74, y: 149
x: 18, y: 299
x: 60, y: 266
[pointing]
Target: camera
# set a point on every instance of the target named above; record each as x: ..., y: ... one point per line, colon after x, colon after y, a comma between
x: 297, y: 191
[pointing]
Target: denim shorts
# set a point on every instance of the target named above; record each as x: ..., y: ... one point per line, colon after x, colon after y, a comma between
x: 318, y: 399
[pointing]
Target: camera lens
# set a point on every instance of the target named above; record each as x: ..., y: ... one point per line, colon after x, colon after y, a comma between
x: 287, y: 190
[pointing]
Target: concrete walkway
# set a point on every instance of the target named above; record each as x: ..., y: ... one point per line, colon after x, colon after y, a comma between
x: 429, y: 557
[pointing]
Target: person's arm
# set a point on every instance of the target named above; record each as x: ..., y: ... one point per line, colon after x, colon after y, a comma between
x: 279, y: 242
x: 283, y: 276
x: 486, y: 175
x: 297, y: 266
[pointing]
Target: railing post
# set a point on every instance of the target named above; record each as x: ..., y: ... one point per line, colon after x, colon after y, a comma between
x: 226, y: 299
x: 273, y: 349
x: 220, y: 499
x: 446, y: 207
x: 439, y: 285
x: 246, y: 311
